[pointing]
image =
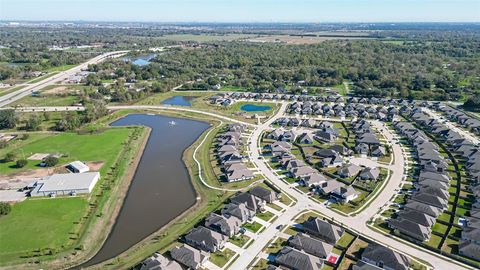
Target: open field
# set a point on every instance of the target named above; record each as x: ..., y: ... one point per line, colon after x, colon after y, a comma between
x: 205, y: 37
x: 38, y: 226
x: 96, y: 147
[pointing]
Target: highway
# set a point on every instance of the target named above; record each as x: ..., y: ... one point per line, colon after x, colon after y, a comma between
x: 29, y: 88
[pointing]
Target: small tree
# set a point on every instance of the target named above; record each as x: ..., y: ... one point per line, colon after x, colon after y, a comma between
x: 8, y: 119
x: 5, y: 208
x: 33, y: 122
x: 50, y: 161
x: 21, y: 163
x: 9, y: 157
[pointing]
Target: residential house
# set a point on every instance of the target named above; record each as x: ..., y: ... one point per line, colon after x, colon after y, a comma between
x: 228, y: 226
x: 239, y: 211
x: 322, y: 229
x: 189, y: 256
x: 312, y: 246
x: 298, y: 260
x: 349, y: 170
x: 385, y: 258
x: 251, y: 202
x: 158, y: 262
x: 369, y: 173
x: 206, y: 239
x: 265, y: 194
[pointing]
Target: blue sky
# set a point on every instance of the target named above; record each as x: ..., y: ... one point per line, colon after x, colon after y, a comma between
x: 244, y: 10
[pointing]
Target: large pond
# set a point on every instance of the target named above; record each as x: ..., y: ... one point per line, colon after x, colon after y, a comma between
x: 255, y: 108
x: 161, y: 188
x: 179, y: 101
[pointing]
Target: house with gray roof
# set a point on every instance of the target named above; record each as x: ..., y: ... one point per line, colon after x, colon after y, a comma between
x: 417, y: 217
x: 312, y: 246
x: 158, y: 262
x: 430, y: 199
x: 329, y: 186
x: 239, y: 211
x: 424, y: 208
x: 385, y: 258
x: 326, y: 137
x: 362, y: 149
x: 349, y: 170
x: 322, y: 229
x: 344, y: 194
x: 410, y: 228
x: 206, y: 239
x: 189, y: 256
x: 300, y: 172
x: 298, y: 260
x: 369, y: 173
x: 265, y: 194
x: 228, y: 226
x: 306, y: 138
x: 313, y: 180
x: 378, y: 151
x: 251, y: 202
x: 469, y: 249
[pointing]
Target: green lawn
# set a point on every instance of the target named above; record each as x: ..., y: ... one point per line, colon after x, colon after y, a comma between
x: 254, y: 226
x: 345, y: 240
x: 40, y: 224
x: 265, y: 215
x: 222, y: 257
x: 96, y: 147
x: 239, y: 240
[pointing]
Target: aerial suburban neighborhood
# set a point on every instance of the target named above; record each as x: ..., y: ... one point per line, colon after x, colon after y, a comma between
x: 240, y: 144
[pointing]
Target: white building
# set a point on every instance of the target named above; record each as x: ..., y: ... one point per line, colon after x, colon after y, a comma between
x: 66, y: 184
x: 78, y: 167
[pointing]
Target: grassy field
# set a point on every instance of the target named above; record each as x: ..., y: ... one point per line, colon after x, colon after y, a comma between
x: 40, y: 225
x: 47, y: 100
x: 95, y: 147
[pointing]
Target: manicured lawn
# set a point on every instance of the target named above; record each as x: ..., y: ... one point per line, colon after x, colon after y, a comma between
x: 439, y: 228
x: 254, y: 226
x: 345, y: 240
x: 239, y: 240
x: 221, y: 258
x: 39, y: 224
x: 96, y: 147
x: 276, y: 246
x: 274, y: 206
x: 434, y: 241
x: 265, y: 215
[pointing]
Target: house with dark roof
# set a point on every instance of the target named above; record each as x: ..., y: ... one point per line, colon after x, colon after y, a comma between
x: 239, y: 211
x: 312, y: 246
x: 469, y: 249
x: 228, y: 226
x: 298, y: 260
x: 322, y: 229
x: 206, y: 239
x: 189, y: 256
x: 417, y: 217
x: 424, y: 208
x: 265, y: 194
x: 158, y: 262
x: 385, y: 258
x: 344, y: 194
x: 410, y: 228
x: 251, y: 202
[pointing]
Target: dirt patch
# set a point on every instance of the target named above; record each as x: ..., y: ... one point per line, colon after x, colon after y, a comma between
x: 95, y: 165
x: 59, y: 90
x: 22, y: 179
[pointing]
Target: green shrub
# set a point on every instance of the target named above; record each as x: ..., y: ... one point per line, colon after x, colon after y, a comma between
x: 21, y: 163
x: 5, y: 208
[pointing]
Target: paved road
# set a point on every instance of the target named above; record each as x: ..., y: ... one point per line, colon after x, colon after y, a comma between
x: 25, y: 91
x: 356, y: 223
x: 466, y: 134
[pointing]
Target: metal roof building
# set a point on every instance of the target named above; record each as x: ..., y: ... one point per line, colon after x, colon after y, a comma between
x: 66, y: 184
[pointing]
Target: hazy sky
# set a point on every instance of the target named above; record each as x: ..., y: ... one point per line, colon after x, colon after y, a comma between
x: 244, y: 10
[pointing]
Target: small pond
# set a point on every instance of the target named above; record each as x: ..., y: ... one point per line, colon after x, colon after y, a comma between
x: 141, y: 60
x: 255, y: 108
x: 179, y: 101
